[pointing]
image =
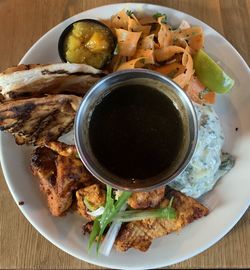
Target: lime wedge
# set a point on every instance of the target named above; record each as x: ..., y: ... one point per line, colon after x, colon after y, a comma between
x: 211, y: 74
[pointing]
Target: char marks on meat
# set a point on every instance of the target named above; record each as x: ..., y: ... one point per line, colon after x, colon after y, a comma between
x: 26, y: 81
x: 37, y: 120
x: 59, y: 175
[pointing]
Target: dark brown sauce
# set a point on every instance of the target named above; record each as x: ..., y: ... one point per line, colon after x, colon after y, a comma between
x: 135, y: 132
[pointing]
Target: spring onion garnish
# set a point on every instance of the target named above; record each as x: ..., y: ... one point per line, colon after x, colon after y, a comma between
x: 110, y: 211
x: 96, y: 213
x: 114, y: 212
x: 88, y: 204
x: 95, y: 231
x: 110, y: 236
x: 133, y: 215
x: 92, y: 211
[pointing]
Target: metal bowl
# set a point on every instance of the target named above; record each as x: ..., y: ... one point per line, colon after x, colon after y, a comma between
x: 131, y: 77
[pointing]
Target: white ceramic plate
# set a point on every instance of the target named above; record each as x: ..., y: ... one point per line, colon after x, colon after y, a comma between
x: 227, y: 202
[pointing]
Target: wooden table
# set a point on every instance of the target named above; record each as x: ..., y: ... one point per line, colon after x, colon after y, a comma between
x: 22, y: 22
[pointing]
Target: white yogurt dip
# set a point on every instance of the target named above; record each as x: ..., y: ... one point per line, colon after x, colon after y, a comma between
x: 208, y: 163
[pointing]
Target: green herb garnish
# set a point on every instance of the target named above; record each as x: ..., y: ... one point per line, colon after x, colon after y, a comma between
x: 94, y: 233
x: 133, y: 215
x: 88, y: 204
x: 129, y: 13
x: 110, y: 211
x: 158, y: 15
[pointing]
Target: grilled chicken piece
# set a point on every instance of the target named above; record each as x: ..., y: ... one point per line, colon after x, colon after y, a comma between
x: 151, y: 199
x: 59, y: 176
x: 139, y: 234
x: 26, y: 81
x: 62, y: 149
x: 37, y: 120
x: 95, y: 196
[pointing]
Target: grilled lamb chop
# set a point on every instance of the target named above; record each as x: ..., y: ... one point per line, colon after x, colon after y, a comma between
x: 26, y: 81
x: 59, y: 176
x: 37, y: 120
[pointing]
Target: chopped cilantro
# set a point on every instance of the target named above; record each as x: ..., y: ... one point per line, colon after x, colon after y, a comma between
x: 158, y: 15
x: 129, y: 13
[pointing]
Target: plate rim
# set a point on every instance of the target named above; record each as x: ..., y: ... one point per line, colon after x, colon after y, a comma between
x: 86, y: 257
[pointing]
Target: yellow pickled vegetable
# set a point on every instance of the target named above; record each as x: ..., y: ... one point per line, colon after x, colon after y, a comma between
x: 97, y: 43
x: 89, y: 42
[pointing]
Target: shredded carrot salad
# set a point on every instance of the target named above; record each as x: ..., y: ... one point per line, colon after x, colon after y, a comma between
x: 150, y: 42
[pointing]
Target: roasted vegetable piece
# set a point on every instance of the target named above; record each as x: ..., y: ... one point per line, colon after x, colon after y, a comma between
x: 87, y: 41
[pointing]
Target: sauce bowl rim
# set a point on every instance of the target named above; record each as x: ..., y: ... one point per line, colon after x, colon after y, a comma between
x: 192, y: 141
